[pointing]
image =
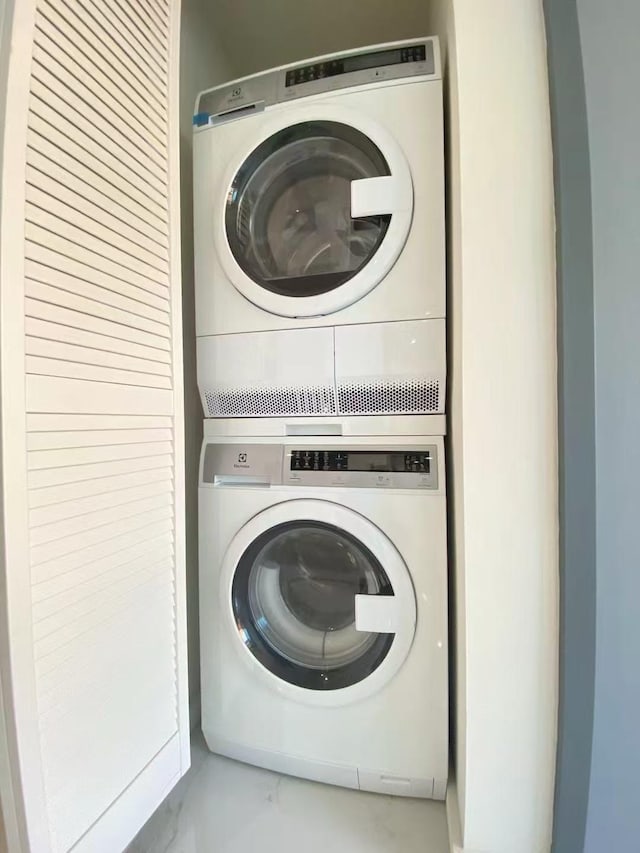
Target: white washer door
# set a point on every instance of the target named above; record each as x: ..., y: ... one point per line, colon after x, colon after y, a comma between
x: 317, y: 209
x: 320, y: 601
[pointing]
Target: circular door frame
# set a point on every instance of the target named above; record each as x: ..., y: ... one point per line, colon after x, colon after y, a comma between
x: 380, y: 262
x: 381, y: 547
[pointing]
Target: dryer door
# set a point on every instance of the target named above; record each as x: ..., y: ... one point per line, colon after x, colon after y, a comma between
x: 315, y: 213
x: 320, y: 599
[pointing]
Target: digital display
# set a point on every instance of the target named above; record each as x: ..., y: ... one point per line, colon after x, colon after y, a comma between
x: 358, y: 62
x: 372, y: 60
x: 407, y: 462
x: 370, y: 462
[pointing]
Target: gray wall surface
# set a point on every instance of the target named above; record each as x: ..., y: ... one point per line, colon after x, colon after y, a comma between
x: 610, y: 36
x: 203, y: 63
x: 266, y: 33
x: 576, y: 427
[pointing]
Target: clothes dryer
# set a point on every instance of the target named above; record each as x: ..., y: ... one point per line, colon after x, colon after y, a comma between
x: 319, y: 193
x: 319, y: 237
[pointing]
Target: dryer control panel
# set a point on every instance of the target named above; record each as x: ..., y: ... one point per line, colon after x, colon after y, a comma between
x: 380, y: 64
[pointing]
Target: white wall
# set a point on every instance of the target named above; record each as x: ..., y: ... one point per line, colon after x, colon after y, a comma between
x: 504, y: 424
x: 203, y: 63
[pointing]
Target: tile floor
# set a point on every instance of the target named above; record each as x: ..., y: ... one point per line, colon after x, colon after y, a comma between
x: 223, y: 806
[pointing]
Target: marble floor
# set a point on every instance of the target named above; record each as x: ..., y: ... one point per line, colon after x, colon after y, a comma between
x: 222, y: 806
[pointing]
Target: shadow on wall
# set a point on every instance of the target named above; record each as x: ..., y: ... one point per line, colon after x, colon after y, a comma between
x: 202, y: 64
x: 261, y: 35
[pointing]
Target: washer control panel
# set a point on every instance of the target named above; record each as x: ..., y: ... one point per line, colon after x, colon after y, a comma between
x: 362, y: 467
x: 397, y: 468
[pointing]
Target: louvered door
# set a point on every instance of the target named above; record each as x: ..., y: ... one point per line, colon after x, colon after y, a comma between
x: 92, y: 431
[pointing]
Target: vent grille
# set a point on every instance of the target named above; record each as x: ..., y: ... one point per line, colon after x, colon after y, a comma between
x: 270, y: 401
x: 408, y: 397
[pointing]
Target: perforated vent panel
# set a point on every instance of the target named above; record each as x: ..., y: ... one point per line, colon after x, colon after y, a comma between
x: 270, y: 401
x: 410, y: 397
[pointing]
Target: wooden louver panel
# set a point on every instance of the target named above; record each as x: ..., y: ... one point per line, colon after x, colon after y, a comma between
x: 100, y: 399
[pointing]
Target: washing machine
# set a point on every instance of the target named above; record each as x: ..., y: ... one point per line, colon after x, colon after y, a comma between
x: 319, y: 204
x: 323, y: 608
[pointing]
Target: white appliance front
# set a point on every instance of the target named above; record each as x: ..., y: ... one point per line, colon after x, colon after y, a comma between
x: 367, y: 369
x: 323, y: 608
x: 320, y: 193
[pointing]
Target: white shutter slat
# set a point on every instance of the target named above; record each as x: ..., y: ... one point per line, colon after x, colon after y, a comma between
x: 150, y: 52
x: 54, y: 295
x: 122, y: 298
x: 100, y: 74
x: 153, y: 31
x: 124, y: 85
x: 99, y: 357
x: 111, y: 36
x: 48, y: 177
x: 70, y: 680
x: 74, y: 662
x: 79, y: 506
x: 75, y: 474
x: 50, y: 502
x: 65, y: 725
x: 59, y: 269
x: 51, y: 367
x: 91, y: 350
x: 51, y: 440
x: 109, y: 583
x: 156, y: 13
x: 54, y: 421
x: 86, y: 455
x: 59, y: 219
x: 104, y: 533
x: 58, y: 332
x: 96, y: 175
x: 99, y: 99
x: 50, y: 568
x: 90, y: 522
x: 69, y: 247
x: 77, y: 618
x: 143, y: 551
x: 102, y: 152
x: 89, y: 124
x: 58, y: 314
x: 48, y: 393
x: 84, y: 669
x: 73, y: 635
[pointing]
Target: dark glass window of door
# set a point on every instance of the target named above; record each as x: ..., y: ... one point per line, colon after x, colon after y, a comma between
x: 288, y: 213
x: 293, y: 598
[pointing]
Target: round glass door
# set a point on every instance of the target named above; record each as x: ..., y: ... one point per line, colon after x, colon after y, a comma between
x: 288, y: 212
x: 293, y: 597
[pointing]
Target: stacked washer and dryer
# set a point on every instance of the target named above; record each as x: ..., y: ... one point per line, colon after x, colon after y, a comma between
x: 320, y: 316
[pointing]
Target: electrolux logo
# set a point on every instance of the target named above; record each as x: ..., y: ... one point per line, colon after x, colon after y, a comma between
x: 242, y: 461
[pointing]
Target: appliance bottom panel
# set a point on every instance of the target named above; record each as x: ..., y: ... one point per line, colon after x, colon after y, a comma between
x: 327, y: 772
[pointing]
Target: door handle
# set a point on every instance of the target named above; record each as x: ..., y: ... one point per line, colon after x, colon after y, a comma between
x: 378, y: 614
x: 374, y: 196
